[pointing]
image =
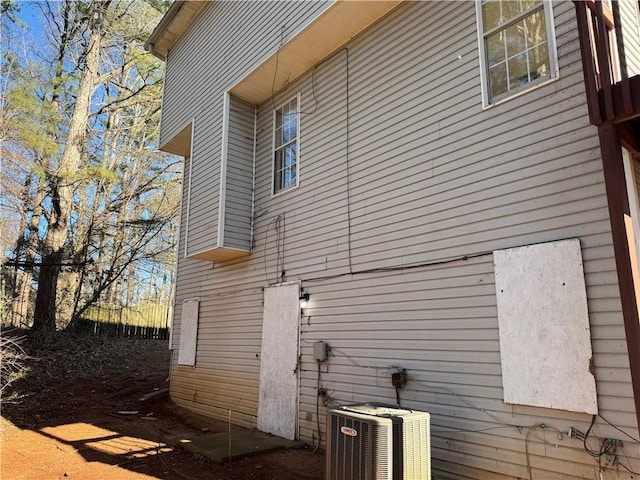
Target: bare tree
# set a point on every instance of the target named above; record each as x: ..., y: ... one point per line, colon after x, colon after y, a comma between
x: 93, y: 203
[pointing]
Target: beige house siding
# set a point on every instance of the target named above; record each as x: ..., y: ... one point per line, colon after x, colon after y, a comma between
x: 630, y: 19
x: 429, y: 177
x: 239, y: 175
x: 231, y: 38
x: 204, y: 185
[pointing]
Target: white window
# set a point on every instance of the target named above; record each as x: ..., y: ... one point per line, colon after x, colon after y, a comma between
x: 286, y: 139
x: 517, y: 46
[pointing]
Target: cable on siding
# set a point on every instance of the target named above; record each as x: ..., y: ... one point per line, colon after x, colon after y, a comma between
x: 618, y: 462
x: 264, y: 253
x: 275, y: 71
x: 584, y: 441
x: 318, y: 407
x: 347, y: 166
x: 347, y: 139
x: 447, y: 390
x: 619, y: 429
x: 398, y: 268
x: 313, y: 90
x: 233, y: 293
x: 313, y: 77
x: 479, y: 430
x: 526, y: 451
x: 280, y: 230
x: 535, y: 426
x: 253, y: 178
x: 278, y: 223
x: 607, y: 445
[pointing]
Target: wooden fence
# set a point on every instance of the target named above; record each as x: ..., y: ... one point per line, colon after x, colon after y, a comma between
x: 148, y: 321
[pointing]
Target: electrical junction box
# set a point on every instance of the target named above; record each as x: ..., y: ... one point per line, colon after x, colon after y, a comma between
x: 320, y: 351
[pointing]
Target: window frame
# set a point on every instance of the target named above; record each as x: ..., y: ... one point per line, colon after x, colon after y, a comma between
x: 554, y: 72
x: 275, y: 148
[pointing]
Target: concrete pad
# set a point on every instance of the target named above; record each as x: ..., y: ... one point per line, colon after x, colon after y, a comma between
x: 244, y: 442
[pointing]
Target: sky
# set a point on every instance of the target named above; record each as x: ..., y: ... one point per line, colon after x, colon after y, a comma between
x: 29, y: 15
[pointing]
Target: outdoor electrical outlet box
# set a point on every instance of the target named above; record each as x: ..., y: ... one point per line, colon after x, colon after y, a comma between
x: 398, y: 377
x: 320, y: 351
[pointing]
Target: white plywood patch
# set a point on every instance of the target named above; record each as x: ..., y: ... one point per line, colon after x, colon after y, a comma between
x: 545, y: 340
x: 188, y: 332
x: 278, y: 399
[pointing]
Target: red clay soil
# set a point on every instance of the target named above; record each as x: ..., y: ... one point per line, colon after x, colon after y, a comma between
x: 68, y: 423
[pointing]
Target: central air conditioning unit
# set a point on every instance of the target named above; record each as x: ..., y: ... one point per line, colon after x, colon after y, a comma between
x: 374, y: 441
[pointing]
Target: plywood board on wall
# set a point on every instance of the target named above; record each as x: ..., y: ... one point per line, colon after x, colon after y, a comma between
x: 545, y: 340
x: 188, y: 332
x: 278, y: 398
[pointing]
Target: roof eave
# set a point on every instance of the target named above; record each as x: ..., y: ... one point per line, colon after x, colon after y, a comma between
x: 173, y: 25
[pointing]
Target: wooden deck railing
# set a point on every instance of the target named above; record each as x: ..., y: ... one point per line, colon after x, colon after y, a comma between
x: 610, y: 92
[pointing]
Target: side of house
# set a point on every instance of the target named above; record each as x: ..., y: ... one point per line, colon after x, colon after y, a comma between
x: 380, y: 180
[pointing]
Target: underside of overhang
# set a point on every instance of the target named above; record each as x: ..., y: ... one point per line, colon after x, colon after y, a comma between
x: 326, y: 34
x: 172, y: 26
x: 331, y: 30
x: 180, y: 143
x: 220, y: 254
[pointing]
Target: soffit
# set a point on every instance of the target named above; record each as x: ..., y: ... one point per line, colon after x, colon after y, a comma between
x: 332, y: 29
x: 180, y: 143
x: 327, y: 33
x: 173, y: 25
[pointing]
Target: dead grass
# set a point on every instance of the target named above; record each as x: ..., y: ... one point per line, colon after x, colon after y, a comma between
x: 81, y: 355
x: 12, y: 365
x: 53, y: 362
x: 82, y: 382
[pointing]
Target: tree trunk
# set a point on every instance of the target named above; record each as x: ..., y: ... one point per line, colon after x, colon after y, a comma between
x: 68, y: 286
x: 61, y: 181
x: 22, y: 291
x: 131, y: 284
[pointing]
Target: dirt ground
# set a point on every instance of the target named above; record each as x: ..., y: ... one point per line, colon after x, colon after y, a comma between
x: 67, y: 421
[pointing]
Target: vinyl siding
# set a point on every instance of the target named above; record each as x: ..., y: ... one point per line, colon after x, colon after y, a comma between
x: 224, y: 43
x: 204, y: 185
x: 631, y: 34
x: 239, y: 175
x: 429, y: 177
x: 231, y: 39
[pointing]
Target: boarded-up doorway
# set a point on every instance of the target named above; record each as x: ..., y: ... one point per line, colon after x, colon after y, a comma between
x: 278, y: 400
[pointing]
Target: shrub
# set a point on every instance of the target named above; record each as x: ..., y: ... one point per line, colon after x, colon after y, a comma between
x: 12, y: 366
